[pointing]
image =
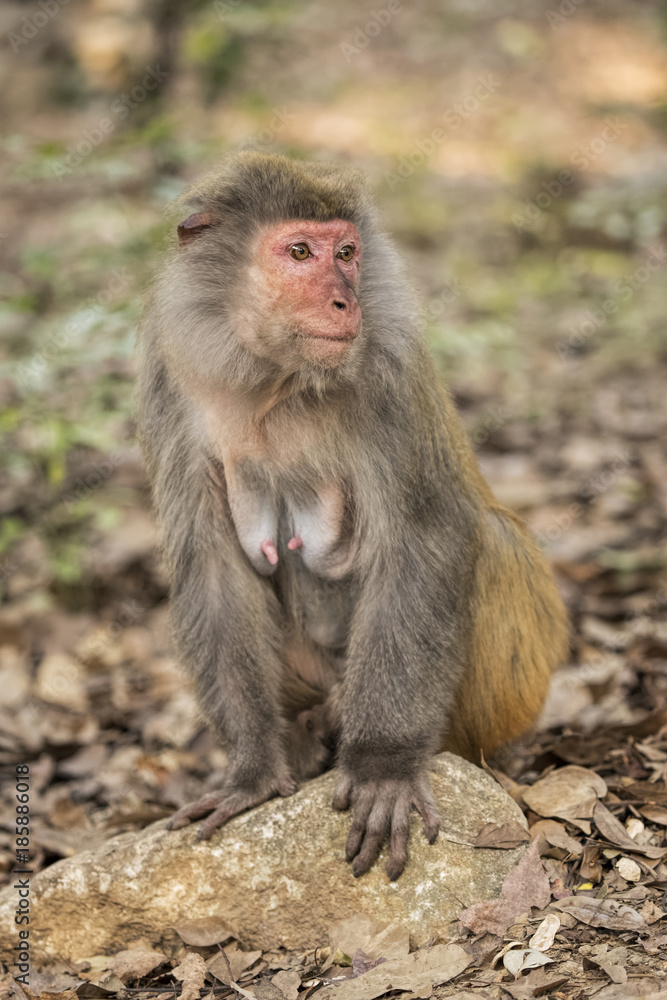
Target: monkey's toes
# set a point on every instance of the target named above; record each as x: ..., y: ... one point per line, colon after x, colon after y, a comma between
x: 342, y: 796
x: 287, y: 786
x: 194, y: 810
x: 217, y: 818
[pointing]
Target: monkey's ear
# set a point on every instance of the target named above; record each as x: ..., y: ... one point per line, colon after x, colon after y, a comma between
x: 193, y: 226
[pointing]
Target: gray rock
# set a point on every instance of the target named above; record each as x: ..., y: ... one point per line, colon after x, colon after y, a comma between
x: 276, y: 876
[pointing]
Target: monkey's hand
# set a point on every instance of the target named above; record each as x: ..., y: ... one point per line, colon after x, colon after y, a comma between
x: 381, y: 809
x: 229, y: 801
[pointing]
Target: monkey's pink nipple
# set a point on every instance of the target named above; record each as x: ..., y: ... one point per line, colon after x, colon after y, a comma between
x: 269, y: 550
x: 294, y: 543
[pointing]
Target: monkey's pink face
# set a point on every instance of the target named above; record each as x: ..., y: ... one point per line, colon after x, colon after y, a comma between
x: 310, y: 277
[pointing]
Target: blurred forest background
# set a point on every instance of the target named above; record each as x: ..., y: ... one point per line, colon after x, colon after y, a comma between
x: 518, y: 151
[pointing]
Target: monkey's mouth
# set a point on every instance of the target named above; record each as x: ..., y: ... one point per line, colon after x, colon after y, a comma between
x: 332, y: 338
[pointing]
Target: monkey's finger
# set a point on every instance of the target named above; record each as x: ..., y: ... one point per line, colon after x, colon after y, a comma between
x: 377, y: 829
x: 426, y: 808
x: 400, y: 834
x: 194, y: 810
x: 342, y: 795
x: 368, y: 853
x: 355, y: 837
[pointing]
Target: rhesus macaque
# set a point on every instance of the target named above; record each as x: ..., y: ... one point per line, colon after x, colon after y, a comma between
x: 345, y: 588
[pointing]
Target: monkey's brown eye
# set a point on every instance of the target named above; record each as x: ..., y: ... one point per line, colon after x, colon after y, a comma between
x: 299, y: 251
x: 346, y: 252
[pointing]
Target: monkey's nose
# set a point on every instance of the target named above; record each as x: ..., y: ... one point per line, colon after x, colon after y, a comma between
x: 345, y: 303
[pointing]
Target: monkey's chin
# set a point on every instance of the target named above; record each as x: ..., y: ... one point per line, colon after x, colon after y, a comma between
x: 326, y: 352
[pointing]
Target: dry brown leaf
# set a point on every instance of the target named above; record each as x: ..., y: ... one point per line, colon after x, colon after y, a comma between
x: 417, y: 973
x: 535, y: 984
x: 605, y: 913
x: 192, y: 973
x: 288, y: 982
x: 651, y: 913
x: 525, y: 886
x: 556, y: 835
x: 375, y: 939
x: 95, y: 967
x: 61, y: 681
x: 505, y: 837
x: 520, y: 959
x: 46, y: 995
x: 543, y: 938
x: 640, y: 791
x: 203, y: 932
x: 606, y: 963
x: 590, y: 869
x: 655, y: 814
x: 238, y: 961
x: 614, y: 831
x: 640, y: 989
x: 135, y: 963
x: 616, y: 973
x: 569, y: 793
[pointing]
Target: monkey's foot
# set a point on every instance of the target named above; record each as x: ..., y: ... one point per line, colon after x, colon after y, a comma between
x: 381, y: 810
x: 226, y: 803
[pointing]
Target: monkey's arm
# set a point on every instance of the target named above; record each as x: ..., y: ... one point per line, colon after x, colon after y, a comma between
x: 406, y: 656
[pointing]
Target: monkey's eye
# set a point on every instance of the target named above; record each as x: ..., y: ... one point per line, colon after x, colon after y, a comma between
x: 299, y: 251
x: 346, y: 252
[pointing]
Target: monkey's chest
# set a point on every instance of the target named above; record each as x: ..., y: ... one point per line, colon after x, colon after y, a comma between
x: 313, y: 528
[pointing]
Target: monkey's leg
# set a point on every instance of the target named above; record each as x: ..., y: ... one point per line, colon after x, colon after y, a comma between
x: 227, y: 626
x: 519, y: 636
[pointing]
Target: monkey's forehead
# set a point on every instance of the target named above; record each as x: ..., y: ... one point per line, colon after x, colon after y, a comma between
x: 331, y: 232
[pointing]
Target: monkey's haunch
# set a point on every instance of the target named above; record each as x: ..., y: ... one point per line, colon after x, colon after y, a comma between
x: 342, y: 578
